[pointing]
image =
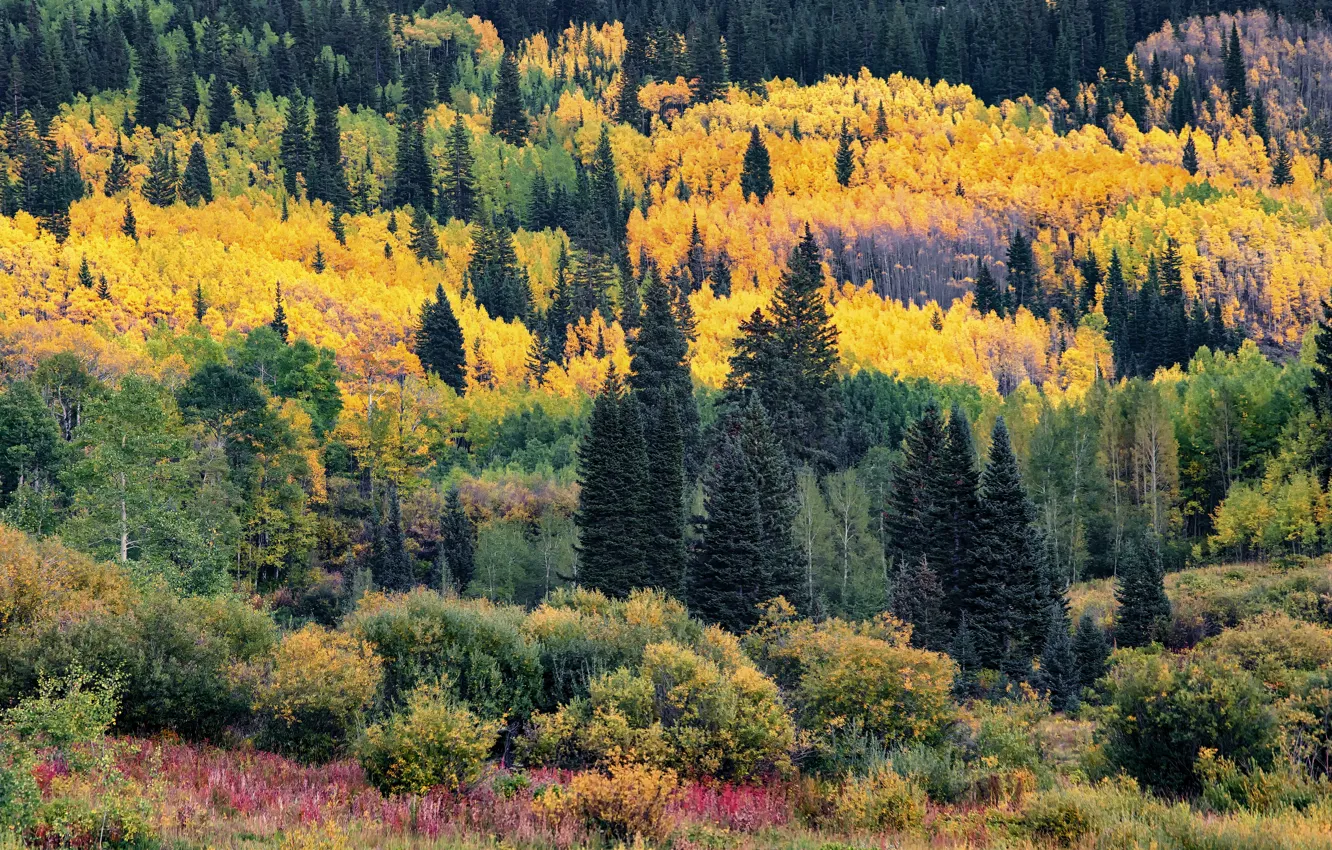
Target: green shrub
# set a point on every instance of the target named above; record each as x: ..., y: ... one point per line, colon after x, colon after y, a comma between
x: 939, y: 770
x: 1276, y: 648
x: 433, y: 742
x: 1162, y: 711
x: 118, y: 820
x: 475, y: 645
x: 1226, y: 788
x: 1059, y: 817
x: 19, y: 794
x: 880, y: 802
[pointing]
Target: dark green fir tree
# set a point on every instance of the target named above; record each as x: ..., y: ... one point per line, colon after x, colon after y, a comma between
x: 844, y: 163
x: 197, y: 185
x: 117, y: 177
x: 128, y: 223
x: 917, y: 598
x: 1058, y: 672
x: 1190, y: 159
x: 85, y: 274
x: 756, y: 171
x: 508, y: 118
x: 456, y: 562
x: 1090, y: 649
x: 159, y: 189
x: 1143, y: 607
x: 439, y: 342
x: 279, y: 323
x: 988, y: 298
x: 459, y: 190
x: 423, y: 240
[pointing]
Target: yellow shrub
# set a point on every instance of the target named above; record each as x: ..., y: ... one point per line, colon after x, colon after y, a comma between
x: 40, y: 578
x: 633, y: 800
x: 433, y: 743
x: 880, y: 802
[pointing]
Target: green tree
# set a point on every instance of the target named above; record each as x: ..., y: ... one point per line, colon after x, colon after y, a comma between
x: 197, y: 184
x: 954, y: 509
x: 498, y: 282
x: 1190, y: 159
x: 128, y: 224
x: 439, y: 342
x: 85, y: 274
x: 844, y: 164
x: 327, y: 181
x: 756, y: 171
x: 1058, y: 673
x: 221, y: 106
x: 1143, y: 607
x: 159, y: 189
x: 1235, y: 74
x: 459, y: 191
x: 1281, y: 175
x: 508, y: 118
x: 456, y: 562
x: 728, y: 562
x: 988, y: 297
x: 294, y: 150
x: 422, y: 239
x: 117, y: 176
x: 152, y: 107
x: 917, y: 598
x: 1090, y: 650
x: 279, y: 322
x: 413, y: 184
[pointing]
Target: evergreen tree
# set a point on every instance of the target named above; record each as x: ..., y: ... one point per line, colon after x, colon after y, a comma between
x: 880, y: 122
x: 197, y: 184
x: 1261, y: 129
x: 728, y: 562
x: 1116, y: 308
x: 756, y: 172
x: 1281, y: 175
x: 508, y: 120
x: 336, y: 225
x: 612, y: 466
x: 1091, y: 282
x: 664, y: 553
x: 706, y: 62
x: 423, y: 240
x: 627, y: 108
x: 117, y: 177
x: 1058, y: 674
x: 103, y: 288
x: 844, y: 163
x: 969, y: 663
x: 1021, y: 273
x: 953, y: 507
x: 1090, y: 650
x: 279, y: 323
x: 721, y: 274
x: 294, y: 149
x: 459, y: 192
x: 660, y: 363
x: 498, y: 282
x: 988, y: 298
x: 159, y: 189
x: 327, y: 180
x: 911, y: 512
x: 200, y: 304
x: 413, y: 184
x: 318, y: 263
x: 221, y: 106
x: 457, y: 546
x: 439, y: 342
x: 1190, y: 161
x: 85, y: 274
x: 1140, y: 591
x: 152, y: 107
x: 391, y: 566
x: 128, y: 224
x: 1235, y: 73
x: 775, y: 482
x: 917, y: 598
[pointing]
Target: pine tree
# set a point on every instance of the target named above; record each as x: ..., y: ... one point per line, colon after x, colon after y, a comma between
x: 279, y: 323
x: 880, y: 122
x: 85, y: 274
x: 117, y: 177
x: 327, y: 181
x: 318, y: 263
x: 439, y: 342
x: 627, y: 108
x: 612, y: 466
x: 285, y: 214
x: 159, y: 189
x: 1140, y: 591
x: 775, y: 481
x: 1091, y: 282
x: 695, y: 258
x: 459, y: 182
x: 423, y: 240
x: 1190, y: 161
x: 499, y: 283
x: 954, y: 505
x: 336, y: 225
x: 103, y: 288
x: 1090, y: 649
x: 911, y: 514
x: 294, y: 151
x: 1281, y: 175
x: 413, y: 184
x: 457, y: 546
x: 1021, y: 272
x: 197, y: 184
x: 721, y: 274
x: 844, y: 164
x: 756, y: 173
x: 1235, y: 73
x: 152, y: 107
x: 128, y: 224
x: 1116, y: 307
x: 508, y: 119
x: 660, y: 363
x: 988, y: 298
x: 1058, y: 674
x: 664, y: 552
x: 391, y: 566
x: 969, y: 663
x: 200, y: 304
x: 728, y: 562
x: 221, y: 106
x: 917, y: 598
x: 1261, y: 129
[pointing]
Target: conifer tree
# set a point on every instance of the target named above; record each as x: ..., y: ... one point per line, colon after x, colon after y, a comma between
x: 318, y: 263
x: 706, y: 62
x: 200, y: 304
x: 844, y: 164
x: 117, y: 177
x: 756, y: 172
x: 508, y: 119
x: 1281, y: 175
x: 459, y: 191
x: 660, y: 363
x: 439, y: 342
x: 423, y: 240
x: 1260, y: 122
x: 391, y: 566
x: 159, y: 189
x: 1235, y: 73
x: 413, y: 184
x: 774, y: 479
x: 612, y: 466
x: 968, y: 660
x: 499, y: 283
x: 880, y: 122
x: 128, y: 224
x: 911, y: 514
x: 664, y: 553
x: 103, y: 288
x: 728, y: 561
x: 285, y: 214
x: 1090, y: 650
x: 1190, y: 160
x: 294, y: 150
x: 483, y: 373
x: 917, y: 598
x: 221, y: 106
x: 279, y: 323
x: 721, y: 274
x: 85, y: 274
x: 627, y: 108
x: 1144, y: 607
x: 954, y: 507
x: 197, y: 184
x: 1058, y: 674
x: 988, y: 298
x: 327, y: 180
x: 457, y: 546
x: 152, y: 106
x: 1021, y: 273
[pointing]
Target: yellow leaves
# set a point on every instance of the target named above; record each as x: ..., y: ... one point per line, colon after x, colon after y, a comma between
x: 314, y: 669
x: 39, y: 579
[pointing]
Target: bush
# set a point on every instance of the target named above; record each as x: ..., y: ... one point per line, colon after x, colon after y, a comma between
x: 19, y: 794
x: 679, y: 710
x: 842, y: 674
x: 1306, y: 719
x: 170, y: 655
x: 65, y: 714
x: 632, y: 800
x: 1226, y: 788
x: 476, y: 645
x: 40, y: 579
x: 1059, y: 817
x: 312, y: 691
x: 1162, y: 711
x: 880, y: 802
x: 1278, y: 649
x: 434, y: 742
x: 119, y: 820
x: 938, y: 770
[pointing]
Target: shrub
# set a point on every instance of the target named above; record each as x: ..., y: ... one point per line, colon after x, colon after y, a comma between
x: 1278, y: 649
x: 1226, y: 788
x: 117, y: 820
x: 939, y: 770
x: 476, y: 645
x: 312, y: 691
x: 1162, y: 711
x: 1307, y: 725
x: 65, y: 713
x: 678, y: 709
x: 840, y: 674
x: 880, y: 802
x: 1059, y: 817
x: 433, y: 742
x: 631, y: 800
x: 19, y: 794
x: 171, y: 656
x: 42, y: 578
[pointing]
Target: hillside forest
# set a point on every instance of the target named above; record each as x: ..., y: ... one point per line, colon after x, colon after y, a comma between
x: 680, y: 424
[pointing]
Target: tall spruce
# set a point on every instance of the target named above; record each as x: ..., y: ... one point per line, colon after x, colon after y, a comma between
x: 458, y: 195
x: 844, y: 163
x: 664, y: 552
x: 953, y: 508
x: 917, y: 598
x: 163, y: 180
x: 197, y: 185
x: 152, y: 107
x: 728, y: 562
x: 756, y: 170
x: 390, y: 564
x: 1058, y: 674
x: 413, y: 184
x: 456, y: 562
x: 128, y: 223
x: 1235, y: 74
x: 499, y: 283
x: 988, y: 298
x: 439, y: 342
x: 1190, y: 157
x: 508, y: 118
x: 774, y: 478
x: 660, y: 363
x: 117, y: 176
x: 1143, y: 607
x: 329, y: 181
x: 1090, y: 649
x: 294, y: 147
x: 911, y: 514
x: 279, y: 322
x: 423, y: 240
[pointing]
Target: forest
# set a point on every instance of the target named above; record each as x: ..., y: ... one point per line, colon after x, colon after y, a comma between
x: 709, y: 426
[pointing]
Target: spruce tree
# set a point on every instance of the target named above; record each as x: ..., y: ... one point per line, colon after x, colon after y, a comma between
x: 911, y: 513
x: 1021, y: 272
x: 221, y: 106
x: 1190, y: 160
x: 1058, y: 674
x: 880, y: 122
x: 336, y: 225
x: 85, y: 274
x: 318, y: 263
x: 660, y: 363
x: 413, y: 184
x: 706, y: 62
x: 439, y: 342
x: 1091, y: 282
x: 664, y: 552
x: 457, y: 546
x: 844, y: 164
x: 103, y: 288
x: 969, y: 663
x: 988, y: 298
x: 159, y: 189
x: 1144, y: 608
x: 508, y: 119
x: 294, y: 150
x: 391, y: 566
x: 200, y: 304
x: 499, y: 283
x: 756, y: 171
x: 152, y: 106
x: 197, y: 184
x: 279, y: 323
x: 728, y: 562
x: 917, y: 598
x: 128, y: 224
x: 327, y: 181
x: 459, y: 190
x: 1281, y: 175
x: 423, y: 240
x: 774, y: 479
x: 1090, y: 650
x: 117, y: 177
x: 721, y: 274
x: 1235, y: 73
x: 953, y: 508
x: 611, y: 477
